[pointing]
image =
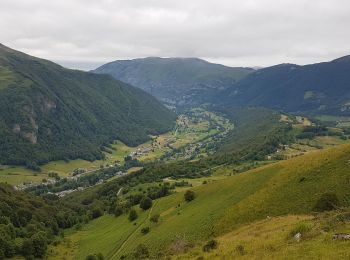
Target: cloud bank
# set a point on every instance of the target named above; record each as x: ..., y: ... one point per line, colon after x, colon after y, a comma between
x: 86, y: 33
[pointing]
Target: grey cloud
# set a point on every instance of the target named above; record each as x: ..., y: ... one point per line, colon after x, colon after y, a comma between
x: 86, y: 33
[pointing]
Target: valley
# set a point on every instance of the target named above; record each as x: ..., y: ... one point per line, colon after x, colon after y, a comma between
x: 247, y: 163
x: 259, y: 195
x: 190, y: 139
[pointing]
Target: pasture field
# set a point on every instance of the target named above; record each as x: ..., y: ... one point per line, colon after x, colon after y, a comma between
x: 17, y: 175
x: 290, y: 187
x: 303, y: 146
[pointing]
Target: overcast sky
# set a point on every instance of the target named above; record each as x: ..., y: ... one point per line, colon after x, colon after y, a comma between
x: 86, y: 33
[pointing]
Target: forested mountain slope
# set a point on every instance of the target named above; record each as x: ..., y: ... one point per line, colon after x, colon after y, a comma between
x: 48, y: 112
x: 176, y: 81
x: 322, y: 88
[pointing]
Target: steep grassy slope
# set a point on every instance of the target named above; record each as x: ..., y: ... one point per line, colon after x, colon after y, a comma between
x: 287, y: 187
x: 179, y: 81
x: 48, y: 112
x: 273, y: 239
x: 321, y: 88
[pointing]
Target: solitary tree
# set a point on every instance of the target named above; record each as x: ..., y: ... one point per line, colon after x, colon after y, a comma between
x: 132, y: 215
x: 189, y: 195
x: 146, y: 203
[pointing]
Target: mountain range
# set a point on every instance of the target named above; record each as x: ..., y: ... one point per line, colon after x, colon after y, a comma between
x: 180, y: 82
x: 321, y: 88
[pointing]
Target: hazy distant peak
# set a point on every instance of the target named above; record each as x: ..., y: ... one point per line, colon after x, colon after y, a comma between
x: 342, y: 59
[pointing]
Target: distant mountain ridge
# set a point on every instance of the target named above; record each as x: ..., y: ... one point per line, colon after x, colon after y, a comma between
x: 322, y: 88
x: 48, y: 112
x: 182, y: 82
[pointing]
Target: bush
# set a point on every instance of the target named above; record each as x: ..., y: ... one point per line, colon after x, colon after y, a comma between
x: 132, y: 215
x: 328, y: 201
x: 155, y: 218
x: 210, y: 245
x: 98, y: 256
x: 96, y: 213
x: 141, y: 252
x: 189, y: 195
x: 39, y: 243
x: 240, y: 250
x: 145, y: 230
x: 118, y: 211
x: 146, y: 203
x: 301, y: 228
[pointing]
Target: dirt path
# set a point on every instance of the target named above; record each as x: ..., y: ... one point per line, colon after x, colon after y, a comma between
x: 115, y: 255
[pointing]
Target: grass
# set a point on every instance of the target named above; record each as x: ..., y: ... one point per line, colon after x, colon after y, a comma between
x: 271, y: 239
x: 283, y: 188
x: 7, y: 77
x: 103, y: 235
x: 17, y: 175
x: 304, y: 146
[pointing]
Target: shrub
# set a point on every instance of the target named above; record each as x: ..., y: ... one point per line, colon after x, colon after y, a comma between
x: 145, y: 230
x: 146, y: 203
x: 301, y: 228
x: 132, y: 215
x: 155, y: 218
x: 118, y: 211
x: 210, y: 245
x: 96, y: 213
x: 240, y: 250
x: 189, y: 195
x: 141, y: 252
x: 39, y: 243
x: 98, y: 256
x: 328, y: 201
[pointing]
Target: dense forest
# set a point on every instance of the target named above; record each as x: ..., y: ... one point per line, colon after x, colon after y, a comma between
x: 48, y: 112
x: 29, y: 223
x: 320, y: 88
x: 258, y: 132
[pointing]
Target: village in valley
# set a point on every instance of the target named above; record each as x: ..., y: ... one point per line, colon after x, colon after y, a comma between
x: 196, y: 135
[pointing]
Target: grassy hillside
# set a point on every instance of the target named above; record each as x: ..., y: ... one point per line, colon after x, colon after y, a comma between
x: 273, y: 239
x: 48, y: 112
x: 317, y: 88
x: 288, y: 187
x: 177, y: 81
